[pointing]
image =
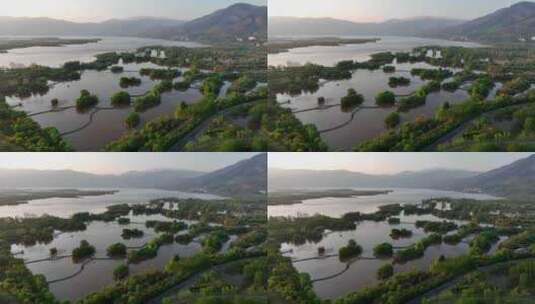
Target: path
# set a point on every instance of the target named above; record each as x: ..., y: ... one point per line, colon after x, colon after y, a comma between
x: 451, y: 283
x: 87, y: 124
x: 187, y: 283
x: 349, y: 120
x: 201, y: 127
x: 452, y: 134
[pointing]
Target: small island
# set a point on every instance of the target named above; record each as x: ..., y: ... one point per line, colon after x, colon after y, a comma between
x: 284, y: 45
x: 10, y: 44
x: 297, y: 197
x: 12, y: 197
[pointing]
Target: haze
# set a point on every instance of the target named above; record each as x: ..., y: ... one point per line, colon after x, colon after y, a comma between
x: 100, y: 10
x: 117, y: 163
x: 380, y: 10
x: 392, y: 163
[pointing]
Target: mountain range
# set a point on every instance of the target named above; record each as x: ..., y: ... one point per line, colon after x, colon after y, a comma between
x: 238, y: 21
x: 505, y: 25
x: 515, y: 180
x: 245, y: 178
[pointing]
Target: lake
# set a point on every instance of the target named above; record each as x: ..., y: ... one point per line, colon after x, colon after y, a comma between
x: 330, y: 55
x: 361, y: 273
x: 336, y: 207
x: 66, y: 207
x: 343, y: 129
x: 98, y: 273
x: 57, y: 56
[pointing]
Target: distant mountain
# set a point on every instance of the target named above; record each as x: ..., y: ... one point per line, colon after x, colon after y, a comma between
x: 516, y: 180
x: 280, y: 26
x: 116, y: 27
x: 247, y: 177
x: 505, y: 25
x: 163, y: 179
x: 338, y: 178
x: 243, y: 179
x: 238, y: 21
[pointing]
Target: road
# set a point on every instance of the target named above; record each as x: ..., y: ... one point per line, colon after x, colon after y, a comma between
x: 451, y: 283
x: 192, y: 280
x: 201, y: 128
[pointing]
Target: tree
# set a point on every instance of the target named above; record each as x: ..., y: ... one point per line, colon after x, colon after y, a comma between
x: 121, y: 99
x: 352, y: 99
x: 86, y: 100
x: 120, y: 272
x: 392, y: 120
x: 132, y: 120
x: 351, y: 250
x: 384, y: 272
x: 383, y: 250
x: 386, y: 98
x: 116, y: 250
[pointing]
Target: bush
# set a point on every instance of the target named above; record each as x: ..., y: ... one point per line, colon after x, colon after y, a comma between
x: 86, y: 100
x: 389, y: 69
x: 121, y: 272
x: 385, y: 98
x: 392, y: 120
x: 351, y: 250
x: 126, y: 82
x: 383, y: 250
x: 116, y: 250
x: 352, y: 99
x: 132, y: 120
x: 117, y: 69
x: 384, y: 272
x: 85, y: 250
x: 121, y: 99
x: 398, y: 81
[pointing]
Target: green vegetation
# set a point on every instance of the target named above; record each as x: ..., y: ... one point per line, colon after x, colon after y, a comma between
x: 121, y: 99
x: 400, y: 233
x: 116, y: 250
x: 132, y: 120
x: 167, y: 74
x: 121, y: 272
x: 147, y: 101
x: 131, y: 233
x: 395, y: 82
x: 385, y: 272
x: 383, y: 250
x: 83, y: 251
x: 116, y: 69
x: 126, y: 82
x: 350, y: 251
x: 385, y: 98
x: 86, y: 101
x: 352, y: 99
x: 392, y: 120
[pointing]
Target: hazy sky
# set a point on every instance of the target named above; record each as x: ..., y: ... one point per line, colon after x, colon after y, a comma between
x: 378, y: 10
x: 98, y: 10
x: 388, y: 163
x: 116, y: 163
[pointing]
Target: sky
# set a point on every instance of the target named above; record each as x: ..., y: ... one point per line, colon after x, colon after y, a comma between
x: 99, y: 10
x: 117, y: 163
x: 391, y: 163
x: 379, y: 10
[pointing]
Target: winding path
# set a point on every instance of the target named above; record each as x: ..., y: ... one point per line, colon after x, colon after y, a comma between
x: 349, y: 120
x: 451, y: 283
x: 87, y: 124
x: 202, y: 126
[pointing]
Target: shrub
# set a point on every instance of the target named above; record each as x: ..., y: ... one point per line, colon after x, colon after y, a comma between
x: 385, y: 98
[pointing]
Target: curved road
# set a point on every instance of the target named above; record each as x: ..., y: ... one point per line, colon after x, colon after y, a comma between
x: 201, y: 127
x: 451, y: 283
x: 191, y: 280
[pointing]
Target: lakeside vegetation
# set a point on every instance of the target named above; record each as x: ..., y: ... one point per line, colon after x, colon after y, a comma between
x: 508, y: 221
x: 10, y: 44
x: 297, y: 197
x: 477, y: 70
x: 281, y: 45
x: 214, y: 222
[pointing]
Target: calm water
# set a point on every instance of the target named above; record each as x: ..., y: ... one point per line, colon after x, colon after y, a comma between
x: 98, y: 274
x: 107, y: 125
x: 330, y: 55
x: 66, y: 207
x: 57, y: 56
x: 362, y: 273
x: 336, y: 207
x: 368, y: 123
